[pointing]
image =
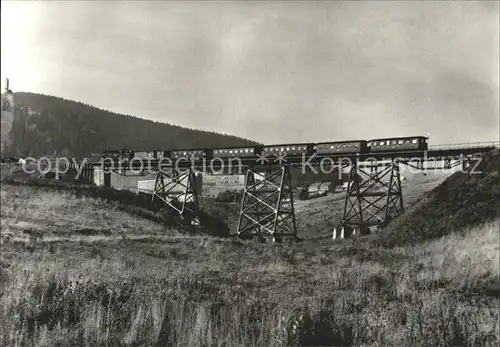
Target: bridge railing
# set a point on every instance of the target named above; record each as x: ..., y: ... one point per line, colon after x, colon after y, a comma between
x: 470, y: 145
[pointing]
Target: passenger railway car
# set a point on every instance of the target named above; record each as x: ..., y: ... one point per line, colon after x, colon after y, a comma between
x: 398, y: 143
x: 289, y: 149
x: 191, y: 153
x: 112, y: 154
x: 119, y: 154
x: 343, y: 147
x: 240, y: 152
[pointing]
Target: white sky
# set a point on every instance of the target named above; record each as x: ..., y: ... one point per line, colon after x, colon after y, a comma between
x: 273, y: 72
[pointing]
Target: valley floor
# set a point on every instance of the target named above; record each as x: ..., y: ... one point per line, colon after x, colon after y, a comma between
x: 79, y: 271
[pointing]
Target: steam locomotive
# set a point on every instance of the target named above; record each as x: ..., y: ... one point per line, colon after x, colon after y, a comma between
x: 289, y: 150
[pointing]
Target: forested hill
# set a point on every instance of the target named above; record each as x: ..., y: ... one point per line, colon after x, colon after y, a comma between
x: 47, y: 125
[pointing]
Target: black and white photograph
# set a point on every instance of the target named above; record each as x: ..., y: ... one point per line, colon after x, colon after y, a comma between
x: 250, y: 173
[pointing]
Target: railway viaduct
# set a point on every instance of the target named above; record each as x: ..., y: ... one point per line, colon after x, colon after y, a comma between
x: 373, y: 197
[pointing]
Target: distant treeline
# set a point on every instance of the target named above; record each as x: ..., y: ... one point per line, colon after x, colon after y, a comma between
x: 47, y: 125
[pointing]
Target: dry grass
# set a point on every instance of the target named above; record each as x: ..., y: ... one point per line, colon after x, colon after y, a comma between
x: 39, y: 212
x: 200, y: 291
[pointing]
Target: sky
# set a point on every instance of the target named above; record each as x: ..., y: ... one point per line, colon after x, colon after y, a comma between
x: 273, y: 72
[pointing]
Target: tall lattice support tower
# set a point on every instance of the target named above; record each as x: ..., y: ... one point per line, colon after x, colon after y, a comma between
x: 178, y: 190
x: 267, y: 206
x: 374, y: 197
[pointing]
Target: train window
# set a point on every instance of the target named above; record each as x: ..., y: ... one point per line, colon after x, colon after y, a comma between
x: 282, y: 149
x: 293, y: 148
x: 382, y: 143
x: 246, y: 150
x: 400, y: 142
x: 414, y: 141
x: 288, y: 148
x: 343, y: 146
x: 251, y: 149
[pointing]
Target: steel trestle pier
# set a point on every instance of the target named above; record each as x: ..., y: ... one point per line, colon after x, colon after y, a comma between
x: 267, y: 208
x: 372, y: 197
x: 178, y: 190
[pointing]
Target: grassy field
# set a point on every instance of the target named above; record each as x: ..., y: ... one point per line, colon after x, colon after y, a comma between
x: 80, y: 271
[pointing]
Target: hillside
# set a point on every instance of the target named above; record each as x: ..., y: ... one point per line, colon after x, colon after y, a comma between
x: 463, y: 200
x: 45, y: 124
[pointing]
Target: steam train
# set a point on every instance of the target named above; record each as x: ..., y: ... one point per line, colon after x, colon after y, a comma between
x: 395, y: 144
